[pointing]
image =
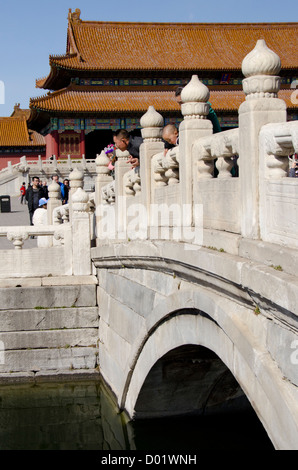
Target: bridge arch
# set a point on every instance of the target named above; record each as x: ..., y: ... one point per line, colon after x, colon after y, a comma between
x: 221, y: 325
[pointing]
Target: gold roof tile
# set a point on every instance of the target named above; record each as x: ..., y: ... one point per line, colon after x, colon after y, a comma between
x: 172, y: 46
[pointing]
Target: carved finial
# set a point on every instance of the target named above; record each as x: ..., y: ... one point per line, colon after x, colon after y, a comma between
x: 152, y: 118
x: 54, y: 190
x: 102, y: 161
x: 261, y: 61
x: 80, y: 201
x: 261, y: 67
x: 194, y: 98
x: 76, y: 178
x: 152, y: 123
x: 195, y: 90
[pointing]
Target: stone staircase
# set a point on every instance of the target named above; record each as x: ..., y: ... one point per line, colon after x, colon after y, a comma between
x: 47, y: 330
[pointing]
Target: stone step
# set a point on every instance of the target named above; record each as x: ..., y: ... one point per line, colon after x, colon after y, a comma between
x: 37, y: 319
x: 47, y: 297
x: 41, y: 360
x: 65, y: 338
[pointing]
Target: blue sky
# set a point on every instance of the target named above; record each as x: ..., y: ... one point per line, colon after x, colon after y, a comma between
x: 32, y: 30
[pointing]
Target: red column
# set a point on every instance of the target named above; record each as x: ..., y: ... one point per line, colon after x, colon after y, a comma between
x: 82, y: 143
x: 55, y: 143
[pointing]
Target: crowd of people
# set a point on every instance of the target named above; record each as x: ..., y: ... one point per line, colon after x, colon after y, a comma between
x: 36, y: 194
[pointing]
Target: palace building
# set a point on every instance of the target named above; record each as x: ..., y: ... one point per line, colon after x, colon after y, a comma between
x: 113, y: 71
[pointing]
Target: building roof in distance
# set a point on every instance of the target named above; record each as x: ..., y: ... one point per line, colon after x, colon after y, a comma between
x: 98, y: 45
x: 14, y: 133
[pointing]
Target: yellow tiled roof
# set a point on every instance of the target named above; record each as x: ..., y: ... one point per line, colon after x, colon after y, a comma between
x: 172, y: 46
x: 14, y: 132
x: 72, y: 100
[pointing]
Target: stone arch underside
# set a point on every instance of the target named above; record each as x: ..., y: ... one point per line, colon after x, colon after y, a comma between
x: 203, y: 320
x: 190, y: 380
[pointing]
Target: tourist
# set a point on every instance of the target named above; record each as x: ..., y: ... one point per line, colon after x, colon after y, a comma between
x: 23, y: 193
x: 211, y: 115
x: 45, y: 189
x: 124, y: 141
x: 40, y: 214
x: 171, y: 137
x: 33, y: 194
x: 66, y: 191
x: 40, y: 217
x: 293, y: 173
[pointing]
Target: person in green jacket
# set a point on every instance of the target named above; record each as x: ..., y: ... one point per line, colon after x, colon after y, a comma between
x: 211, y: 115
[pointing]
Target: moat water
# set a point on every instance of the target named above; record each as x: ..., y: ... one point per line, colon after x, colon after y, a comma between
x: 82, y: 416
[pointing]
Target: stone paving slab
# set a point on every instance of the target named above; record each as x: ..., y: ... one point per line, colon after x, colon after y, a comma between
x: 19, y: 215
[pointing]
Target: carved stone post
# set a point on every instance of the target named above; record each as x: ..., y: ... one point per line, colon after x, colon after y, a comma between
x: 54, y: 200
x: 81, y: 239
x: 152, y: 125
x: 69, y: 164
x: 122, y: 170
x: 76, y: 180
x: 103, y: 178
x: 261, y: 85
x: 195, y: 125
x: 39, y: 163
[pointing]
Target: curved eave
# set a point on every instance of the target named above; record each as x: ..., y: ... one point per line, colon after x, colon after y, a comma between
x: 72, y: 100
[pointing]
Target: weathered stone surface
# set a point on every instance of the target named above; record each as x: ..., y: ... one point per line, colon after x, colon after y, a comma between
x: 49, y: 359
x: 64, y: 338
x: 47, y: 319
x: 48, y: 297
x: 282, y: 344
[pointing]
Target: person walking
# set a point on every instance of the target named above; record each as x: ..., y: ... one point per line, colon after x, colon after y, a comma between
x: 33, y: 194
x: 23, y: 193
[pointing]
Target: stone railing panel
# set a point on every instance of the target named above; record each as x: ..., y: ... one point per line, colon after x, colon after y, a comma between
x: 220, y: 197
x: 278, y: 192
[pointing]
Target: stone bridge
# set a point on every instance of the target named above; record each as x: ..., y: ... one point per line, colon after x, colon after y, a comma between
x: 193, y: 277
x: 177, y: 327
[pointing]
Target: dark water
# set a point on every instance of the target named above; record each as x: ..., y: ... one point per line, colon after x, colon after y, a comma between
x: 82, y: 416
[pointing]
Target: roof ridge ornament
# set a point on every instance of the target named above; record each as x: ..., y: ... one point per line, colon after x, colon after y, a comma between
x: 74, y: 16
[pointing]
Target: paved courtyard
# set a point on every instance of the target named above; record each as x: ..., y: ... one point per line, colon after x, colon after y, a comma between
x: 19, y: 215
